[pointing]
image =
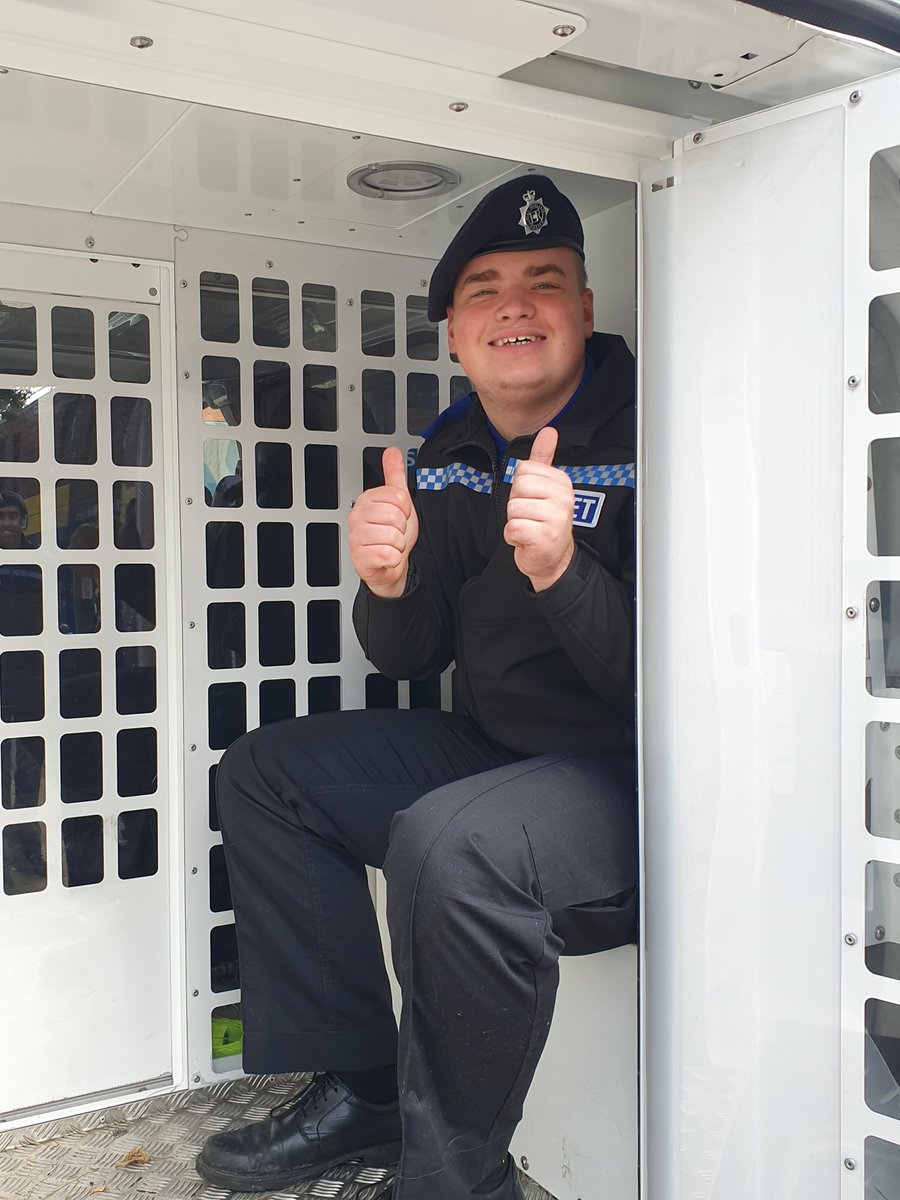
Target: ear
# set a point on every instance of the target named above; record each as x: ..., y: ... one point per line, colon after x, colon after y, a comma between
x: 451, y: 341
x: 587, y: 304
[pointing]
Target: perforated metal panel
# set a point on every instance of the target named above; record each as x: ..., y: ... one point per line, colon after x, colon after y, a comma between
x: 298, y: 365
x: 84, y: 750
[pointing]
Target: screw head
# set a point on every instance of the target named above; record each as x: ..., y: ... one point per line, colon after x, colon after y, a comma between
x: 850, y: 939
x: 697, y: 139
x: 423, y: 283
x: 884, y: 726
x: 853, y: 381
x: 563, y: 31
x: 193, y: 746
x: 182, y: 283
x: 89, y: 241
x: 696, y: 84
x: 851, y: 613
x: 874, y: 604
x: 269, y: 263
x: 855, y: 97
x: 185, y: 374
x: 850, y: 1164
x: 193, y: 870
x: 189, y: 500
x: 192, y: 624
x: 349, y: 303
x: 897, y: 879
x: 458, y: 106
x: 351, y: 387
x: 524, y: 1161
x: 141, y: 43
x: 897, y: 815
x: 879, y: 933
x: 154, y: 291
x: 196, y: 1078
x: 195, y: 992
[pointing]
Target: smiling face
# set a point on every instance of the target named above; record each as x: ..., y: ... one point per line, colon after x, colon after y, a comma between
x: 518, y: 324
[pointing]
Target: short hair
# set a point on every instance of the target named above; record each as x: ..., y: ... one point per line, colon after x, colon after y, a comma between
x: 582, y: 275
x: 14, y: 500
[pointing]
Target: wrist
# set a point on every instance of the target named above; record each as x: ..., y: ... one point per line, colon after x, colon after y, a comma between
x: 389, y: 591
x: 541, y: 583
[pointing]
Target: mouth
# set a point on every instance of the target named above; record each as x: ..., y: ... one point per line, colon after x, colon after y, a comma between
x: 525, y: 339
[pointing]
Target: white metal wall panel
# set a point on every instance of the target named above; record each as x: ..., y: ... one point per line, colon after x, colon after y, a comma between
x: 84, y: 701
x: 304, y: 497
x: 741, y: 710
x: 870, y: 991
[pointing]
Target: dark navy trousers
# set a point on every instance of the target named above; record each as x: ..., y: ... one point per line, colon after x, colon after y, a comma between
x: 495, y: 865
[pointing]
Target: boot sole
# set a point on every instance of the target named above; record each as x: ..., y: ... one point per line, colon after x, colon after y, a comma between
x: 383, y: 1155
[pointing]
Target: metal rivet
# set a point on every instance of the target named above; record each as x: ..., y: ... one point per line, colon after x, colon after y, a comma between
x: 698, y: 138
x: 193, y: 870
x: 192, y: 624
x: 879, y: 933
x: 193, y: 746
x: 349, y: 303
x: 195, y: 992
x: 524, y: 1161
x: 351, y: 387
x: 185, y: 374
x: 141, y: 43
x: 89, y: 242
x: 874, y: 604
x: 850, y: 939
x: 884, y: 726
x: 189, y: 500
x: 855, y: 97
x: 696, y: 84
x: 853, y: 381
x: 153, y: 292
x: 897, y: 879
x: 4, y: 70
x: 897, y: 752
x: 423, y: 283
x: 196, y: 1078
x: 357, y: 136
x: 850, y: 1164
x: 563, y: 30
x: 269, y: 263
x: 182, y: 283
x: 897, y: 815
x: 851, y: 612
x: 458, y: 106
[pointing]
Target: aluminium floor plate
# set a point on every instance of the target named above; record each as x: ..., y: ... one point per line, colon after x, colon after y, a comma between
x: 83, y: 1157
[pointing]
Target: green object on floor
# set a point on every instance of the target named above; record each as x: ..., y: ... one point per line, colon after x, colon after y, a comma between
x: 227, y: 1036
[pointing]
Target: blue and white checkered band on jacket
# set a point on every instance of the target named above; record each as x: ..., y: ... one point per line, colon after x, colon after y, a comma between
x: 435, y: 479
x: 608, y: 475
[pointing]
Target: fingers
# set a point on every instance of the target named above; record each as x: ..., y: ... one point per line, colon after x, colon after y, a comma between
x: 394, y: 466
x: 544, y: 446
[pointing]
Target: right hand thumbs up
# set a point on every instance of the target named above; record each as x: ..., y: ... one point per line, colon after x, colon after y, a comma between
x: 383, y: 529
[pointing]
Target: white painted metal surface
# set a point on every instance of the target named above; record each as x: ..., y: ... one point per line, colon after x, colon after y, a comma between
x: 742, y: 615
x: 89, y: 948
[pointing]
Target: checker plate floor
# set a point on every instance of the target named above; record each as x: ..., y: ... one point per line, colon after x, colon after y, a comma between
x: 80, y: 1158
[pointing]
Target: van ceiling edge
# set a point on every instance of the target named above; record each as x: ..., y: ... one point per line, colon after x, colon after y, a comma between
x: 228, y: 63
x: 875, y: 21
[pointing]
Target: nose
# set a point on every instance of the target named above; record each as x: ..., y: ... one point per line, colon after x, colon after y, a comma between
x: 515, y: 303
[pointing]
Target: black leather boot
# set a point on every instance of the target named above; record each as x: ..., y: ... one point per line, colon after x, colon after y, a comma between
x: 322, y: 1126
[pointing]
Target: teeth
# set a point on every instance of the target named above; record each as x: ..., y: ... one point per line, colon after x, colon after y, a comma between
x: 514, y: 341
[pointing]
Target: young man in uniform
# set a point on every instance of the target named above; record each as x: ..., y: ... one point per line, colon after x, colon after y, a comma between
x: 506, y: 829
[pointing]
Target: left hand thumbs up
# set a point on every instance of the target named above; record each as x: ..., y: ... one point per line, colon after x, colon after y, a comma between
x: 539, y: 514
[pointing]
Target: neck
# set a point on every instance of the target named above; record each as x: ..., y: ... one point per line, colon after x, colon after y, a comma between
x: 516, y: 416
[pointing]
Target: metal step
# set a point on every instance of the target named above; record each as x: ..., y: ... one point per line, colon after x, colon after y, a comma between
x: 86, y: 1156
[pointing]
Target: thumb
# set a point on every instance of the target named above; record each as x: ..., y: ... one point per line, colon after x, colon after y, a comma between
x: 544, y: 446
x: 394, y: 466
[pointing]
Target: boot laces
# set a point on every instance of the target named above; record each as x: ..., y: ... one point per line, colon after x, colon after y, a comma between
x: 308, y: 1097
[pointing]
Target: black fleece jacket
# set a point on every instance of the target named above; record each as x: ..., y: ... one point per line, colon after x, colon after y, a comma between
x: 539, y: 671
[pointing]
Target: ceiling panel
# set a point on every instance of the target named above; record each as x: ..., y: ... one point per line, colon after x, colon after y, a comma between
x: 66, y: 145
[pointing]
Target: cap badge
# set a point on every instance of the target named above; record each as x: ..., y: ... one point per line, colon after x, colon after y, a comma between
x: 534, y: 214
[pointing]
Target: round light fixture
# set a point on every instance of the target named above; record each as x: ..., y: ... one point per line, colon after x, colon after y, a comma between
x: 402, y: 180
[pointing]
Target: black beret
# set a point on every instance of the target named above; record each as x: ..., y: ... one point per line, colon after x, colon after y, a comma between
x: 528, y: 213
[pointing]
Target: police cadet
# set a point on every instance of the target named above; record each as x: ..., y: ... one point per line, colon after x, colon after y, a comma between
x: 506, y: 829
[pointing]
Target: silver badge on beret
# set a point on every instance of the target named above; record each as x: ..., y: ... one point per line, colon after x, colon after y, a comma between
x: 534, y: 214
